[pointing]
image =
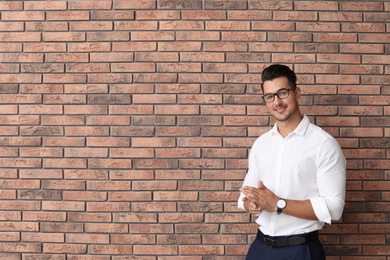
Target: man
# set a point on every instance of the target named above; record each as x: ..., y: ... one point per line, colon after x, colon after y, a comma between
x: 296, y: 177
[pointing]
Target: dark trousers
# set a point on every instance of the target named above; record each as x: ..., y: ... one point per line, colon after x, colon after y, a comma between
x: 308, y: 251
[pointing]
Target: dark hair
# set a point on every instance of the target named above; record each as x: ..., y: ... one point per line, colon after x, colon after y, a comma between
x: 277, y: 70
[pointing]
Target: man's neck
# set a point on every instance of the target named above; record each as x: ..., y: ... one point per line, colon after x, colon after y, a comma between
x: 286, y: 127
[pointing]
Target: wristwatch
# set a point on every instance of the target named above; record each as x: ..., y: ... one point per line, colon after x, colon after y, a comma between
x: 281, y: 204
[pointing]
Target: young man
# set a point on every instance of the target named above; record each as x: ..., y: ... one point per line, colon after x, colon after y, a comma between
x: 296, y: 177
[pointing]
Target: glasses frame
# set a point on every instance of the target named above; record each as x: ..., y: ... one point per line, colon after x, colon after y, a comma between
x: 277, y: 93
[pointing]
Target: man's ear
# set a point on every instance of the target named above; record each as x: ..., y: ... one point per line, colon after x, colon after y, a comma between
x: 297, y: 93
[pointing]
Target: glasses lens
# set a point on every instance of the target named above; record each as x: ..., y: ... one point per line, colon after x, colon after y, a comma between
x: 268, y: 97
x: 283, y: 93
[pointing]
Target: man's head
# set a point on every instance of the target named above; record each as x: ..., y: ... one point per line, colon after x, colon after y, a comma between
x: 281, y: 93
x: 276, y: 71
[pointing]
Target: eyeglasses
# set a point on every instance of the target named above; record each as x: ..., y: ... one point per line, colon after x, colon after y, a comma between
x: 281, y: 93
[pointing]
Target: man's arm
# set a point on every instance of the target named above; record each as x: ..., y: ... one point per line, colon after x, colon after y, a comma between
x: 266, y: 200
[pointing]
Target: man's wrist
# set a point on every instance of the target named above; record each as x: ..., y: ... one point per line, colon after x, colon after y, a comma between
x: 281, y: 204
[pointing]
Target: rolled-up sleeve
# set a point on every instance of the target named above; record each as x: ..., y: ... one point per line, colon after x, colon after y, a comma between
x: 331, y: 181
x: 251, y: 178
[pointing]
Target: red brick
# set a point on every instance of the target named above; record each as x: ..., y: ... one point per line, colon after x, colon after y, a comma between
x: 88, y: 257
x: 90, y: 5
x: 87, y: 131
x: 178, y: 153
x: 20, y: 205
x: 200, y: 185
x: 182, y: 25
x: 295, y: 16
x: 113, y: 57
x: 362, y: 27
x: 87, y: 238
x: 109, y: 78
x: 141, y: 4
x: 47, y: 26
x: 8, y: 152
x: 181, y: 239
x: 43, y: 238
x: 9, y: 236
x: 111, y: 249
x: 177, y: 174
x: 293, y: 36
x: 64, y: 36
x: 155, y: 250
x: 179, y: 4
x: 68, y: 15
x: 133, y: 196
x: 108, y: 142
x: 108, y: 36
x: 11, y: 6
x: 136, y: 25
x: 84, y: 196
x: 89, y: 217
x: 137, y: 218
x: 106, y: 228
x: 108, y: 207
x: 65, y: 248
x: 153, y: 207
x: 11, y: 26
x: 41, y: 88
x: 110, y: 15
x: 150, y: 56
x: 64, y: 163
x: 197, y: 36
x: 151, y: 228
x: 108, y: 185
x: 341, y: 16
x: 227, y: 25
x: 43, y: 5
x: 205, y: 249
x: 23, y: 16
x: 20, y: 247
x: 16, y: 119
x: 158, y: 15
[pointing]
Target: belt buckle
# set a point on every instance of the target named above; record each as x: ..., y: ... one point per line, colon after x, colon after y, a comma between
x: 269, y: 242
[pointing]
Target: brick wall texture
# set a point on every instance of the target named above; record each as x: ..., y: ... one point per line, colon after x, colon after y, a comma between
x: 125, y: 125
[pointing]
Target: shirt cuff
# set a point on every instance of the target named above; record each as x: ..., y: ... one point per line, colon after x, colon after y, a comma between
x: 321, y: 210
x: 240, y: 203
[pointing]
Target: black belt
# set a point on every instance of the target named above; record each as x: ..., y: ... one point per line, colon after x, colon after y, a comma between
x: 282, y: 241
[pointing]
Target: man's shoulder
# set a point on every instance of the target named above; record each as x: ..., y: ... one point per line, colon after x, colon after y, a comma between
x: 318, y: 131
x: 265, y: 137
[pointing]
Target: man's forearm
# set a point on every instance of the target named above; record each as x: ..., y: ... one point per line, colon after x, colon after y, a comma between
x: 300, y: 209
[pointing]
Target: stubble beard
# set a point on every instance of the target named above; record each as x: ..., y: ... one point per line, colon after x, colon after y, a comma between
x: 283, y: 118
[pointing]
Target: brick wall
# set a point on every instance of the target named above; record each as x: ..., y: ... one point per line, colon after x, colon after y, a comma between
x: 125, y: 125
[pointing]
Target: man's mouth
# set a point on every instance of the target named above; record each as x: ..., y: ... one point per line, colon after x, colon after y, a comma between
x: 280, y: 109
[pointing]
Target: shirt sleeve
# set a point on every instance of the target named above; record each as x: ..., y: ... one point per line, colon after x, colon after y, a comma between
x: 331, y: 181
x: 251, y: 178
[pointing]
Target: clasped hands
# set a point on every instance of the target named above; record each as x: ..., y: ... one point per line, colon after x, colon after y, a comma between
x: 259, y: 199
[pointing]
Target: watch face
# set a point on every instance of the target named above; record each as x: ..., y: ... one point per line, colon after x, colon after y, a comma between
x: 281, y: 203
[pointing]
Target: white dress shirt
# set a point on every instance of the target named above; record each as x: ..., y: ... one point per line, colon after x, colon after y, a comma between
x: 306, y: 164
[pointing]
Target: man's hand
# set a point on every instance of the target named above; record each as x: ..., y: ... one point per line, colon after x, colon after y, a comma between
x: 262, y: 197
x: 251, y: 206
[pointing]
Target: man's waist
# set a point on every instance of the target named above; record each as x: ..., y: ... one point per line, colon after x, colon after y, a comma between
x: 283, y: 241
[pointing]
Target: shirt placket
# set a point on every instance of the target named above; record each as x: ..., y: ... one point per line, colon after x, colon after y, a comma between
x: 278, y: 177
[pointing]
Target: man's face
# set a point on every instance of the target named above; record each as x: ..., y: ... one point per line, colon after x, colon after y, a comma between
x: 282, y: 109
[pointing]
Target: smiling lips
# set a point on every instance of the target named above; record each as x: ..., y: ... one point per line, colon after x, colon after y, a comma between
x: 280, y: 109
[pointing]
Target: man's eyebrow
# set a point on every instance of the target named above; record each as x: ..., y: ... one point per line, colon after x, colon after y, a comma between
x: 275, y: 91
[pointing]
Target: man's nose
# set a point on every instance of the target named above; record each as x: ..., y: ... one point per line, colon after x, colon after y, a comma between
x: 277, y: 100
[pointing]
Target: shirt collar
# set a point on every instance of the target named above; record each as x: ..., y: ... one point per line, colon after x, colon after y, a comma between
x: 300, y: 130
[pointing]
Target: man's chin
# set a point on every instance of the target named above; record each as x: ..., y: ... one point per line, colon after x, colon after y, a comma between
x: 281, y: 118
